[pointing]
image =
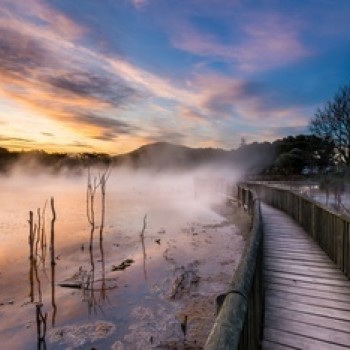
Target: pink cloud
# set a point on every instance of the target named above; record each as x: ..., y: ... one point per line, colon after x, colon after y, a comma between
x: 139, y: 3
x: 192, y: 115
x: 221, y: 99
x: 265, y: 42
x: 58, y: 22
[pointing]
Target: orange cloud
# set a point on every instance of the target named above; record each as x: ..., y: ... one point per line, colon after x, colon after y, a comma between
x: 192, y: 115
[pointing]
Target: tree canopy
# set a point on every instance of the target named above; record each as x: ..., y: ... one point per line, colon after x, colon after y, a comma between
x: 294, y: 153
x: 332, y: 123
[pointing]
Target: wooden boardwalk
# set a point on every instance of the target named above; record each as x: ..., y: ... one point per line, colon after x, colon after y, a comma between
x: 307, y: 296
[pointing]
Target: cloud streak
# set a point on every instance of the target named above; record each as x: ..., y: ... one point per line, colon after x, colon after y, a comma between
x: 267, y: 42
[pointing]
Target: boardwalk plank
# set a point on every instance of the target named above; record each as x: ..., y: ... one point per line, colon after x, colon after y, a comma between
x: 306, y: 271
x: 298, y: 341
x: 316, y: 280
x: 307, y: 330
x: 333, y: 304
x: 279, y: 260
x: 323, y: 321
x: 311, y: 309
x: 322, y: 287
x: 288, y: 261
x: 306, y: 291
x: 267, y: 345
x: 305, y: 257
x: 294, y: 249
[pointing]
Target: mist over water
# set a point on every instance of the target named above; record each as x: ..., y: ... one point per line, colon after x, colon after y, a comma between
x: 176, y: 204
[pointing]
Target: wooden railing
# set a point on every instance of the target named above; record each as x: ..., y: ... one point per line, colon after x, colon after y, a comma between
x: 239, y: 321
x: 330, y: 229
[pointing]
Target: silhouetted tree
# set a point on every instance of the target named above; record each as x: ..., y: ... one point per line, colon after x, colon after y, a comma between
x: 291, y: 162
x: 332, y: 122
x: 294, y: 153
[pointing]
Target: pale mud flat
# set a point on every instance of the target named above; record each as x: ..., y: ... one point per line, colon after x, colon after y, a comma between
x: 192, y: 245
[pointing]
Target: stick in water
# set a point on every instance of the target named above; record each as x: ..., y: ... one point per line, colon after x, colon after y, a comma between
x: 52, y: 241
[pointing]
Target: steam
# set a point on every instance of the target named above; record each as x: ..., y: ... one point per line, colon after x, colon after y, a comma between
x: 186, y: 189
x: 171, y: 200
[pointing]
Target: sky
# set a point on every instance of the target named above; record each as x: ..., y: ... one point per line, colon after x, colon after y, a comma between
x: 112, y: 75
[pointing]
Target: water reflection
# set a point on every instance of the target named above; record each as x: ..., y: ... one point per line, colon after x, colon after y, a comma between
x: 95, y: 285
x: 89, y: 285
x: 41, y: 327
x: 103, y: 290
x: 31, y: 256
x: 37, y: 257
x: 120, y: 240
x: 53, y: 295
x: 142, y: 235
x: 43, y: 244
x: 53, y: 262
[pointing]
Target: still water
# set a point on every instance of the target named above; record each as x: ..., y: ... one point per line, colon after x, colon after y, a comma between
x: 130, y: 291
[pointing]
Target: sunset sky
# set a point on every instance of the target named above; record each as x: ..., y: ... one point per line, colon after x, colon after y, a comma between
x: 112, y: 75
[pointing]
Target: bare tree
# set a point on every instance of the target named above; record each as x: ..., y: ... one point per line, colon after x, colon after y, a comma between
x: 102, y: 182
x: 142, y: 235
x: 52, y: 234
x: 332, y: 122
x: 92, y: 185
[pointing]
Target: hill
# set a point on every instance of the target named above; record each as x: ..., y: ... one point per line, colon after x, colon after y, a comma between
x: 163, y: 155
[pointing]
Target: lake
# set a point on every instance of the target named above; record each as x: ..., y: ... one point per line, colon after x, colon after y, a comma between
x: 131, y: 290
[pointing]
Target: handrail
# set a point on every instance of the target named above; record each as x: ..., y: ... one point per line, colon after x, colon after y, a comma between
x: 331, y: 230
x: 239, y: 322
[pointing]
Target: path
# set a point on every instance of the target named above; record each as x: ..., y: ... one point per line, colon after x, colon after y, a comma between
x: 307, y: 296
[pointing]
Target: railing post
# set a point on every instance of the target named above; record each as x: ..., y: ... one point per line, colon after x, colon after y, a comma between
x: 313, y: 223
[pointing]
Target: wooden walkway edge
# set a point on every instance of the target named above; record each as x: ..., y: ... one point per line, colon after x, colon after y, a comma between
x: 307, y: 296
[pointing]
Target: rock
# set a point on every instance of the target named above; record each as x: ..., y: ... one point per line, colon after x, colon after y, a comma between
x: 118, y: 345
x: 123, y: 265
x: 75, y: 336
x: 183, y: 282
